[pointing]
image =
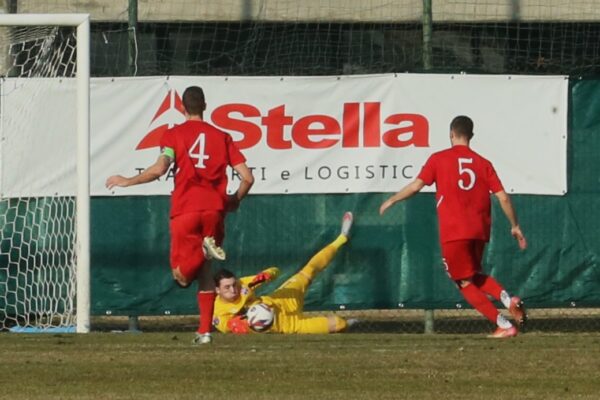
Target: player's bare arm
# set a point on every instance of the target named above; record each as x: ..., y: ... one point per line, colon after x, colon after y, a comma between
x: 247, y: 180
x: 511, y: 215
x: 407, y: 191
x: 155, y: 171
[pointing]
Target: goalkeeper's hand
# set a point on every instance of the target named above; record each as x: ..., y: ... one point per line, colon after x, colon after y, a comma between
x: 238, y: 325
x: 260, y: 278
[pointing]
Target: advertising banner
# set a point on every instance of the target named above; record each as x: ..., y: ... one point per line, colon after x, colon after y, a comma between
x: 346, y: 134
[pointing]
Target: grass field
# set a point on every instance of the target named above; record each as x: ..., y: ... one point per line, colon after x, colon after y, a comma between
x: 347, y: 366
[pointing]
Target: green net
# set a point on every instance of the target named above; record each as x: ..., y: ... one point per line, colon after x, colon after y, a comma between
x: 234, y: 37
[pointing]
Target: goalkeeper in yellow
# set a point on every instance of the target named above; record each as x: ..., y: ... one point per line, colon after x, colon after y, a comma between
x: 235, y: 296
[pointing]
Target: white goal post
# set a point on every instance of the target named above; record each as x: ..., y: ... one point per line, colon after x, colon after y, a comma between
x: 80, y: 256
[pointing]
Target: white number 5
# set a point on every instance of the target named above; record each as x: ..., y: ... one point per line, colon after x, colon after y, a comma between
x: 464, y: 170
x: 199, y: 154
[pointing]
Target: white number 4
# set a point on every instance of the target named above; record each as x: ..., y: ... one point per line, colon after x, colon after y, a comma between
x: 199, y: 155
x: 464, y: 170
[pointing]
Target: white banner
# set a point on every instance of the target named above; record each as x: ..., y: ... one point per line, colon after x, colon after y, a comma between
x: 345, y: 134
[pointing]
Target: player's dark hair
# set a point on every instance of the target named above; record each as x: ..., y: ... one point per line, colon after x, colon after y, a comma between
x: 462, y: 126
x: 193, y: 100
x: 222, y: 274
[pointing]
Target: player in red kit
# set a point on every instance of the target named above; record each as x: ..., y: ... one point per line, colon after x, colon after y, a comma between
x: 200, y: 154
x: 464, y: 181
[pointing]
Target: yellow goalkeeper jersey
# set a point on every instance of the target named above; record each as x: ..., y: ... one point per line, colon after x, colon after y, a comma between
x: 224, y: 311
x: 287, y: 301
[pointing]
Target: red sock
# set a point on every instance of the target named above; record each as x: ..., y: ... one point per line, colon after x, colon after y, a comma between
x: 206, y: 305
x: 488, y: 285
x: 480, y: 302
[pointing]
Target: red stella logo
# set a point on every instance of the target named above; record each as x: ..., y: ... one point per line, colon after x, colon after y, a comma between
x: 152, y: 139
x: 319, y: 131
x: 316, y: 131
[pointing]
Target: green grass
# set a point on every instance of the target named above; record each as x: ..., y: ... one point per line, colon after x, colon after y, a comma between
x: 345, y: 366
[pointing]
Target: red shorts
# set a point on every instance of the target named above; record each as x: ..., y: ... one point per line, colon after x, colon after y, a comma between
x: 187, y: 233
x: 462, y: 258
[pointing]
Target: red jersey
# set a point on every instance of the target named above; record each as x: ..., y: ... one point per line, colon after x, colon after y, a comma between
x: 464, y: 181
x: 202, y: 154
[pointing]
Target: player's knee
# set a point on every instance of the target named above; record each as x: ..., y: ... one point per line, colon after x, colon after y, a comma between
x: 181, y: 284
x: 307, y: 273
x: 180, y: 279
x: 336, y: 324
x: 461, y: 283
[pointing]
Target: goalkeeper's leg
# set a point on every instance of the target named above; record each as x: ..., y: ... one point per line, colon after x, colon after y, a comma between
x: 291, y: 292
x: 321, y: 325
x: 322, y: 259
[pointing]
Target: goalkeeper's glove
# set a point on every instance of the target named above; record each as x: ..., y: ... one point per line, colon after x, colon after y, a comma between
x: 260, y: 278
x: 238, y: 325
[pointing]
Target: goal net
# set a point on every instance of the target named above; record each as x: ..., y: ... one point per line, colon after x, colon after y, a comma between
x: 331, y: 37
x: 44, y: 214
